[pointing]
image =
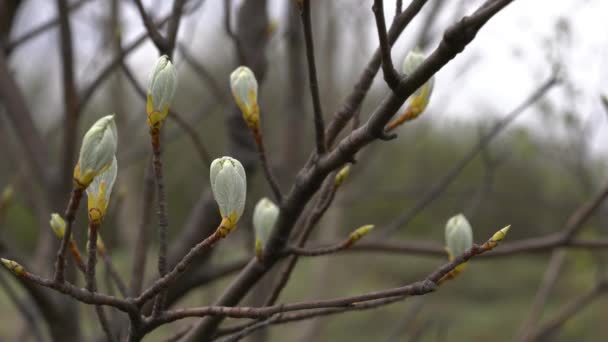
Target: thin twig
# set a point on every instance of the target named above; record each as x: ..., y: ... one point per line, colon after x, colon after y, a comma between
x: 138, y: 269
x: 162, y: 283
x: 270, y: 178
x: 568, y: 311
x: 391, y: 77
x: 70, y: 215
x: 70, y: 96
x: 429, y: 284
x: 113, y: 273
x: 442, y: 184
x: 159, y: 41
x: 42, y: 28
x: 23, y: 309
x: 547, y: 285
x: 163, y: 221
x: 92, y: 255
x: 312, y: 76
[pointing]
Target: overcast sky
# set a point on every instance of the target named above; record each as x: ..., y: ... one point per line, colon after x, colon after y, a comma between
x: 510, y: 53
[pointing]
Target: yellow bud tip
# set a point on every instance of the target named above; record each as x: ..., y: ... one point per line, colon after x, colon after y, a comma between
x: 13, y: 266
x: 258, y: 248
x: 7, y: 194
x: 57, y: 225
x: 342, y: 175
x: 501, y: 234
x: 360, y: 232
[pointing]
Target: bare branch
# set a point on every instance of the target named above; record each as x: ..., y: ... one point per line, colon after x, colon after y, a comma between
x: 312, y: 76
x: 391, y: 77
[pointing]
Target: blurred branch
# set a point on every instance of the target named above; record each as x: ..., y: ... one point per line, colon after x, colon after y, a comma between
x: 138, y: 268
x: 312, y: 76
x: 550, y: 278
x: 442, y: 184
x: 22, y: 307
x: 70, y: 97
x: 354, y: 100
x: 204, y: 74
x: 21, y: 120
x: 549, y: 328
x: 42, y: 28
x: 158, y: 40
x: 391, y: 77
x: 165, y: 45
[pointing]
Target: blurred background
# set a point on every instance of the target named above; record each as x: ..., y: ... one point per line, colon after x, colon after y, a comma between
x: 533, y: 175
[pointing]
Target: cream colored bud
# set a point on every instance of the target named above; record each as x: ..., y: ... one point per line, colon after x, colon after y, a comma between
x: 265, y: 215
x: 458, y: 235
x: 244, y: 88
x: 97, y: 150
x: 360, y: 232
x: 162, y: 84
x: 501, y: 234
x: 57, y: 225
x: 7, y: 195
x: 342, y: 175
x: 421, y: 97
x: 229, y: 186
x: 13, y: 266
x: 99, y: 191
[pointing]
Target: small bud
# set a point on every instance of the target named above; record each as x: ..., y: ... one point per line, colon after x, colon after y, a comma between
x: 501, y: 234
x: 229, y: 186
x: 162, y: 83
x: 420, y: 98
x: 97, y: 151
x: 7, y: 195
x: 57, y: 225
x: 342, y: 175
x: 458, y: 236
x: 265, y: 215
x: 244, y: 88
x: 13, y: 266
x: 360, y: 233
x: 98, y: 193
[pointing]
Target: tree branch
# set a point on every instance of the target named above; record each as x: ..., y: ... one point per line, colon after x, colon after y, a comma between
x: 312, y: 76
x: 391, y: 77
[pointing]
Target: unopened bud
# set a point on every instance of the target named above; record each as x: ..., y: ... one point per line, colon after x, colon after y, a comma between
x: 13, y: 266
x: 244, y: 88
x: 98, y: 193
x: 265, y: 215
x: 57, y: 225
x: 420, y: 98
x: 458, y: 235
x: 7, y: 195
x: 229, y: 186
x: 501, y: 234
x: 162, y: 84
x: 97, y: 151
x: 360, y: 232
x: 342, y: 175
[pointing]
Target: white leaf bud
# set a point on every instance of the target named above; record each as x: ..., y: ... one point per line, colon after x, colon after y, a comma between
x: 229, y: 186
x: 97, y: 151
x: 265, y: 215
x: 162, y: 84
x: 458, y: 235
